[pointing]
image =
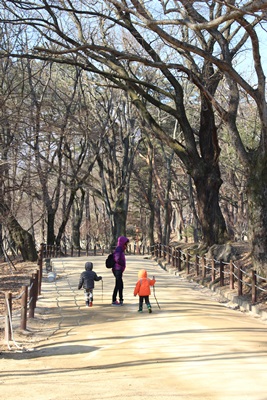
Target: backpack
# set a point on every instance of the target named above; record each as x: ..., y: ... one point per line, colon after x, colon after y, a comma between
x: 110, y: 262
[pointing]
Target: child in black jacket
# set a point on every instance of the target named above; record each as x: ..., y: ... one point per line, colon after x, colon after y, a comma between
x: 87, y: 281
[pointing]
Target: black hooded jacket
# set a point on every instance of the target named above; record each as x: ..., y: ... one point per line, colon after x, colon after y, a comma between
x: 88, y: 277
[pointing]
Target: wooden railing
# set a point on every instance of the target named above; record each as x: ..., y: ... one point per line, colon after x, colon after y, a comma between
x: 201, y: 267
x: 28, y: 297
x: 211, y: 270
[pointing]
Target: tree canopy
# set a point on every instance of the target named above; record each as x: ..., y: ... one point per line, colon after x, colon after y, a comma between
x: 152, y: 50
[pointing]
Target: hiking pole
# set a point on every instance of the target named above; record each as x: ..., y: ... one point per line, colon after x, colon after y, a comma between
x: 102, y: 289
x: 155, y: 294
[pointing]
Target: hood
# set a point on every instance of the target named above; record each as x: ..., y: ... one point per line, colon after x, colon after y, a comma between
x: 122, y: 240
x: 88, y: 266
x: 142, y: 274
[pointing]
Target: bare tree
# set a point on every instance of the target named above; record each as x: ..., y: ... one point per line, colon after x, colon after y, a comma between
x: 115, y: 161
x: 12, y: 183
x: 60, y: 135
x: 178, y: 40
x: 164, y: 92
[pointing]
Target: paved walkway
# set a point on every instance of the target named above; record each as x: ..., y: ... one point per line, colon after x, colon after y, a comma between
x: 192, y: 347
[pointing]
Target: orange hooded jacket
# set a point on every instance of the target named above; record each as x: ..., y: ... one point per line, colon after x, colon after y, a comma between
x: 143, y: 284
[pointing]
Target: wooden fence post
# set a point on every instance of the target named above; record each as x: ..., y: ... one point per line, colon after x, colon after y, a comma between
x: 240, y: 276
x: 8, y: 315
x: 213, y: 270
x: 197, y: 265
x: 221, y: 273
x: 33, y: 294
x: 24, y: 299
x: 160, y: 250
x: 39, y: 273
x: 40, y: 264
x: 174, y: 257
x: 254, y: 287
x: 203, y: 262
x: 169, y: 254
x: 232, y: 277
x: 164, y: 252
x: 178, y: 259
x: 187, y: 262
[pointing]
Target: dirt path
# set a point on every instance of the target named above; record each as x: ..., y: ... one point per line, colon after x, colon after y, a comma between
x: 192, y: 347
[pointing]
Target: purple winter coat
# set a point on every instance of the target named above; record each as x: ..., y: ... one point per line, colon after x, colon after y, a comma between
x: 119, y: 256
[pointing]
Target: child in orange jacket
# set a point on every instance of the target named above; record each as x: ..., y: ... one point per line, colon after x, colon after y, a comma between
x: 142, y: 288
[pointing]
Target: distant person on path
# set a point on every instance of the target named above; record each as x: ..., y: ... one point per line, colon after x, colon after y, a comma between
x: 142, y: 288
x: 87, y: 281
x: 118, y: 269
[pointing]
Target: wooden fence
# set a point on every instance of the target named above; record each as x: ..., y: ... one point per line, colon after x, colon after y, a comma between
x: 212, y: 270
x: 28, y: 297
x: 201, y: 267
x: 29, y: 294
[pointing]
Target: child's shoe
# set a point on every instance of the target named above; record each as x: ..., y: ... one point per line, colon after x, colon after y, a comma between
x: 149, y: 309
x: 140, y: 310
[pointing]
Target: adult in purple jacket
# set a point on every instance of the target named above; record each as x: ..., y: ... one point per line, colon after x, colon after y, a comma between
x: 118, y: 269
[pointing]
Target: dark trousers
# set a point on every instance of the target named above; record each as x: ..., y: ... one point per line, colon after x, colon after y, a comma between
x: 141, y: 300
x: 118, y: 286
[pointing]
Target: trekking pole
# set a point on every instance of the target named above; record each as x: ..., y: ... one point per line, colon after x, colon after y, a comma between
x: 102, y: 288
x: 155, y: 294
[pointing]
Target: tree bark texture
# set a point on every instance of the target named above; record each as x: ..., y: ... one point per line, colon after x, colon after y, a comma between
x: 77, y: 207
x: 23, y: 239
x: 213, y: 226
x: 257, y: 209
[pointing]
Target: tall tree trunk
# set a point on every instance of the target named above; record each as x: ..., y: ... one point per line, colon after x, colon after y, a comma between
x: 88, y: 218
x: 158, y: 222
x: 78, y: 206
x: 120, y: 216
x: 208, y: 177
x: 1, y: 239
x: 196, y: 224
x: 66, y: 215
x: 50, y: 235
x: 22, y: 238
x: 208, y: 183
x: 257, y: 213
x: 75, y: 228
x: 167, y: 203
x: 151, y: 224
